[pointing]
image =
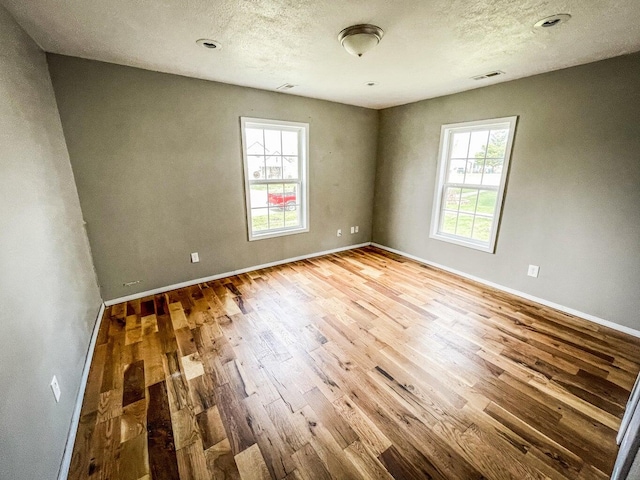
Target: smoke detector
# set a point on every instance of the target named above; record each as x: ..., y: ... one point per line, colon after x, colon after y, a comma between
x: 210, y: 44
x: 552, y: 21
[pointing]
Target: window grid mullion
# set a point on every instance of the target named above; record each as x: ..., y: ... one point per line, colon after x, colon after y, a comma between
x: 472, y: 185
x: 484, y: 161
x: 473, y: 222
x: 458, y: 212
x: 466, y: 162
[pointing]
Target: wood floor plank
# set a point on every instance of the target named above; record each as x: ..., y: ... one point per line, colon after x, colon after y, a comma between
x: 211, y: 427
x: 251, y: 464
x: 133, y: 385
x: 134, y: 458
x: 163, y: 463
x: 356, y: 365
x: 400, y: 468
x: 275, y: 450
x: 192, y: 462
x: 220, y: 461
x: 236, y: 419
x: 310, y: 467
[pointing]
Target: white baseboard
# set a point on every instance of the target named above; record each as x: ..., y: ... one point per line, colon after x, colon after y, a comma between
x: 562, y: 308
x: 75, y: 419
x: 188, y: 283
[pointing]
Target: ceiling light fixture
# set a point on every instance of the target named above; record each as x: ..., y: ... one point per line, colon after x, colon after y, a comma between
x: 359, y: 39
x: 210, y: 44
x: 552, y: 21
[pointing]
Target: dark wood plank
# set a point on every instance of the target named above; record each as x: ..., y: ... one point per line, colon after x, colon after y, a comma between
x: 133, y: 386
x: 399, y: 467
x: 211, y: 427
x: 163, y: 463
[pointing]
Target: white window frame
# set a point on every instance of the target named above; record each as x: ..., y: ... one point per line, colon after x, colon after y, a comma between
x: 446, y: 137
x: 303, y: 168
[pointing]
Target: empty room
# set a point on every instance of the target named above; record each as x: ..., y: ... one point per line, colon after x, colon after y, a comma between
x: 276, y: 239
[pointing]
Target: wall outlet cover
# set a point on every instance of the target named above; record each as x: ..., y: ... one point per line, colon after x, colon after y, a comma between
x: 195, y: 257
x: 533, y: 271
x: 55, y: 388
x: 357, y: 228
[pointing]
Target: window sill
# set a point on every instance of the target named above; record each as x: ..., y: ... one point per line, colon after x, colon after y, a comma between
x: 464, y: 243
x: 280, y: 233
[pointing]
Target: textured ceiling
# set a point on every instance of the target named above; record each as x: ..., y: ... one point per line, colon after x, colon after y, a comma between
x: 430, y: 48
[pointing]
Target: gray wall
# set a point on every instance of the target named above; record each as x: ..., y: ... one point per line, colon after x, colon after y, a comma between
x: 572, y: 204
x: 48, y: 294
x: 158, y: 165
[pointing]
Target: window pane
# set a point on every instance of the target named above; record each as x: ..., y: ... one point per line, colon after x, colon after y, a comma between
x: 289, y: 143
x: 456, y: 171
x: 290, y: 166
x: 253, y: 137
x: 276, y: 218
x: 275, y: 196
x: 473, y: 175
x: 492, y: 171
x: 452, y: 198
x: 283, y: 196
x: 478, y: 144
x: 497, y: 143
x: 487, y: 201
x: 259, y: 219
x: 465, y: 222
x: 272, y: 142
x: 290, y: 195
x: 274, y: 167
x: 256, y: 167
x: 482, y: 229
x: 292, y: 216
x: 449, y: 223
x: 468, y: 200
x: 460, y: 145
x: 258, y: 195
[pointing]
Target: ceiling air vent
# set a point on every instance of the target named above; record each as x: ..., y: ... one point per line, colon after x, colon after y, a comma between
x: 285, y: 86
x: 488, y: 75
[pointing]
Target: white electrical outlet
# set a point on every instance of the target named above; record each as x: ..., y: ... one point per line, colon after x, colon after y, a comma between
x: 357, y: 228
x: 533, y: 271
x: 195, y: 258
x: 55, y: 387
x: 339, y: 234
x: 353, y: 229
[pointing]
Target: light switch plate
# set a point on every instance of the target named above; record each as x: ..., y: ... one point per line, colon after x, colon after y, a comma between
x: 533, y: 271
x: 195, y: 258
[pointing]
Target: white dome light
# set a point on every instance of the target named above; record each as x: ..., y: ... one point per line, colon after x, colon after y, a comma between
x: 359, y: 39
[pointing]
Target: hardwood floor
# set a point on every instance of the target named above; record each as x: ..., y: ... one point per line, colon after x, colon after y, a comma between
x: 357, y: 365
